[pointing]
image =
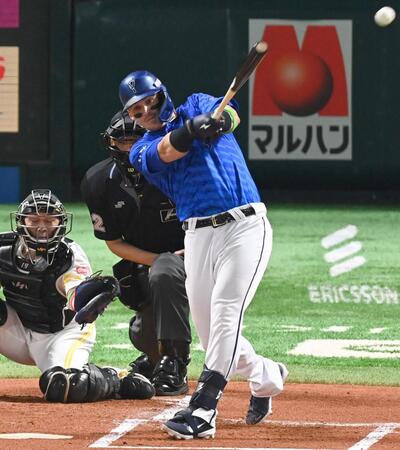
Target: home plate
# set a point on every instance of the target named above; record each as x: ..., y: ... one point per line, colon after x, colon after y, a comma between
x: 33, y: 436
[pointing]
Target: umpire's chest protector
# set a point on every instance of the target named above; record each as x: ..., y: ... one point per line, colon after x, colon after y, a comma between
x: 34, y: 297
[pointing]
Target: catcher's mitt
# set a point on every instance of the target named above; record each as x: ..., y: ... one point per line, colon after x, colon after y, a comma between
x: 93, y: 296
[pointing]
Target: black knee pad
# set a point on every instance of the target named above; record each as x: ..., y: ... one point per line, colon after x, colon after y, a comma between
x: 53, y: 384
x: 3, y: 313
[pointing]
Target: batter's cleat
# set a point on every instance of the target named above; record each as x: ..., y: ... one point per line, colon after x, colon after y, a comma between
x: 135, y: 386
x: 185, y: 425
x: 261, y: 407
x: 142, y: 365
x: 169, y: 377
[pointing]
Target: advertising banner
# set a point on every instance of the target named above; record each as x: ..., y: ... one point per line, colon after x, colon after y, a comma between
x: 9, y: 89
x: 300, y: 95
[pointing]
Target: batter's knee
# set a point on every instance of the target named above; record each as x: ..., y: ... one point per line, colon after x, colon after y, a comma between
x: 3, y: 313
x: 79, y: 386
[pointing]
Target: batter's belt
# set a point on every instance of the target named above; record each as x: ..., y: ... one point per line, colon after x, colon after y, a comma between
x: 219, y: 219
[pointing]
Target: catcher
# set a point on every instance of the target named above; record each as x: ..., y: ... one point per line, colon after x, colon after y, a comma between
x: 49, y: 296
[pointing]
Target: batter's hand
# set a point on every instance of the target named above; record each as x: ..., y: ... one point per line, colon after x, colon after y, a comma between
x: 204, y: 127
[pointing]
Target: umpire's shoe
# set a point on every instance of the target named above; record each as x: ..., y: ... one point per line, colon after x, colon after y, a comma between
x: 135, y: 386
x: 142, y: 365
x: 170, y: 376
x: 261, y: 407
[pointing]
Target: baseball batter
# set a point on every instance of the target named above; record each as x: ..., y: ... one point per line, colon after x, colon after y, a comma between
x: 196, y: 161
x: 44, y: 280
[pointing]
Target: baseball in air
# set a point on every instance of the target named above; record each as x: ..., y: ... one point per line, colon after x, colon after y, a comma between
x: 385, y: 16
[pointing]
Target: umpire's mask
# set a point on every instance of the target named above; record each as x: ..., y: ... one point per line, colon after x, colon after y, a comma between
x: 118, y: 139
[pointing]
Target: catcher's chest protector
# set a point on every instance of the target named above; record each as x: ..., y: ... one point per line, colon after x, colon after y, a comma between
x: 34, y: 297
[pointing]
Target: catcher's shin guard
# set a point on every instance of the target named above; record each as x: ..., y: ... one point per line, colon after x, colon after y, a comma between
x: 136, y: 386
x: 54, y: 384
x: 79, y: 386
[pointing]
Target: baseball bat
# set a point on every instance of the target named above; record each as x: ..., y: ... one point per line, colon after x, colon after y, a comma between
x: 253, y: 59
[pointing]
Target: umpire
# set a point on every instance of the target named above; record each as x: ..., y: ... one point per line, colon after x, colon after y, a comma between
x: 139, y: 224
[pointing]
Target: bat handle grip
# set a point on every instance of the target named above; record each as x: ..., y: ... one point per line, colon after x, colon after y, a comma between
x: 218, y: 112
x: 220, y: 109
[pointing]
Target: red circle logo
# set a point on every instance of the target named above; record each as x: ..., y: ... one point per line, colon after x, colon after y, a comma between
x: 300, y: 82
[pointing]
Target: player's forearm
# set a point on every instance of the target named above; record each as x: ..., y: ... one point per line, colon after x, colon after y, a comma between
x: 131, y: 253
x: 167, y: 151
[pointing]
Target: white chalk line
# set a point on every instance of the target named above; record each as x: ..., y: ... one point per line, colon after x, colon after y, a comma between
x: 44, y: 436
x: 292, y: 423
x: 129, y: 424
x: 373, y: 437
x: 381, y: 430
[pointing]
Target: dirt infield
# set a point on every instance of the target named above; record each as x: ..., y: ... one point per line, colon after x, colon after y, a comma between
x: 304, y: 417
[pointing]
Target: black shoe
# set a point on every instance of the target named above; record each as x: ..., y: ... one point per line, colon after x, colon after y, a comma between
x: 142, y: 365
x: 186, y: 426
x: 169, y: 377
x: 259, y: 408
x: 136, y: 386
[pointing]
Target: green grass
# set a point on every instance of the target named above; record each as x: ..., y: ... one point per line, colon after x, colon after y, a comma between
x: 283, y: 300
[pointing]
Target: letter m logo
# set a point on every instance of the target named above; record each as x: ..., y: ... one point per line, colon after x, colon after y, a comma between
x: 320, y: 42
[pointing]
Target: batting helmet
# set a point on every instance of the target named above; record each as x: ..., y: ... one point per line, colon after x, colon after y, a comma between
x: 141, y: 84
x: 44, y: 203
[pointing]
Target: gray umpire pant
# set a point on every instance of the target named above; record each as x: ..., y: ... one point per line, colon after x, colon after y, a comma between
x: 165, y: 313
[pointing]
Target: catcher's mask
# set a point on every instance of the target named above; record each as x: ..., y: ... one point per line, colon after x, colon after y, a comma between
x: 41, y: 221
x: 141, y: 84
x: 123, y: 132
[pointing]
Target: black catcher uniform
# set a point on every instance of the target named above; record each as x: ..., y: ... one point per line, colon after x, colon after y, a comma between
x: 125, y: 208
x: 47, y: 283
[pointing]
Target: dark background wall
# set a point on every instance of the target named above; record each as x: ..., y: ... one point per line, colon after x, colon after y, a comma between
x: 74, y: 54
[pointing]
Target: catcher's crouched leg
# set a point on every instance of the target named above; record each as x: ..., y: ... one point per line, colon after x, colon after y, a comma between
x: 91, y: 384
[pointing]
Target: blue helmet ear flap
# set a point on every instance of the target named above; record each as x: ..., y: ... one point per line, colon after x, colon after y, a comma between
x: 141, y: 84
x: 167, y: 109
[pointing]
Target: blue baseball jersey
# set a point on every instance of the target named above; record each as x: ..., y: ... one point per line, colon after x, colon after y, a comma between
x: 211, y: 178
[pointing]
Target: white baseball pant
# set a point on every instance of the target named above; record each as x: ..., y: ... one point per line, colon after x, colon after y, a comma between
x: 68, y: 348
x: 224, y: 266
